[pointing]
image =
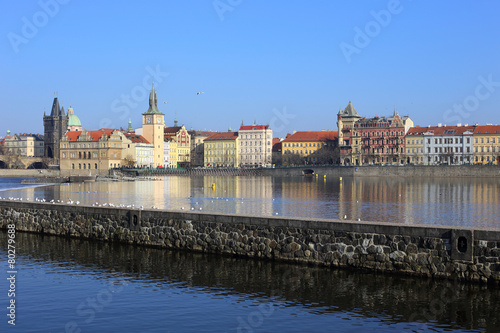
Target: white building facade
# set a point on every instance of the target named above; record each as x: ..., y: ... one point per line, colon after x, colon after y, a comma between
x: 255, y: 145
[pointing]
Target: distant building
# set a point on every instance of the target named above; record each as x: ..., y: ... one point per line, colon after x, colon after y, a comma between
x: 348, y: 142
x: 138, y: 152
x: 91, y: 152
x: 26, y: 145
x: 377, y: 140
x: 311, y: 147
x: 487, y: 144
x: 440, y: 145
x: 277, y: 158
x: 221, y: 150
x: 381, y: 140
x: 415, y: 148
x: 198, y: 147
x: 55, y: 125
x: 256, y: 142
x: 179, y: 146
x: 449, y: 144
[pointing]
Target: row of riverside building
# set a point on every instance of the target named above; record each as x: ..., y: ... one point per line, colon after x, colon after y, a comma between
x: 358, y: 141
x: 395, y: 140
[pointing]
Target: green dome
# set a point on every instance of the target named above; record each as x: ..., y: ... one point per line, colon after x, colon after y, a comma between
x: 73, y: 119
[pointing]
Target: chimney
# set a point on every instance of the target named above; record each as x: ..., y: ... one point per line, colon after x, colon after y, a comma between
x: 439, y: 124
x: 459, y: 125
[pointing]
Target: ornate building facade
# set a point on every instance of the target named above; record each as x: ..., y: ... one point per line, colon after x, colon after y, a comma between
x: 348, y: 144
x: 377, y: 140
x: 179, y: 142
x: 381, y: 140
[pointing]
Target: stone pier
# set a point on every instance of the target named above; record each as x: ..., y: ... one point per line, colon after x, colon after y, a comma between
x: 465, y: 254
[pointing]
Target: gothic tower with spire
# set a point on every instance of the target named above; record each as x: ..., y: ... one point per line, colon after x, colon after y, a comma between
x: 153, y: 123
x: 55, y: 126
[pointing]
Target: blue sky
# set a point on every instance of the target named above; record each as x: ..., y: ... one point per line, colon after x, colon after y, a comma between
x: 289, y: 64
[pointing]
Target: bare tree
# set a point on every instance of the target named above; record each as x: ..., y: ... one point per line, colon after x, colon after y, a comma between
x: 129, y: 161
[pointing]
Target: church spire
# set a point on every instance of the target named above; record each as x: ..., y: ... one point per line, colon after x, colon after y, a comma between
x: 175, y: 120
x: 129, y: 128
x: 153, y: 102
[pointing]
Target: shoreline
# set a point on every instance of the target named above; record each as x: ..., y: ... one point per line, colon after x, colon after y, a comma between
x: 405, y: 171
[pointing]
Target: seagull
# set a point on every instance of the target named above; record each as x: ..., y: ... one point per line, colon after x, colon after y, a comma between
x: 345, y: 217
x: 199, y: 93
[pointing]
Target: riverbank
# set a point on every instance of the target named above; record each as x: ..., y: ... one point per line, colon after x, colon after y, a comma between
x: 28, y: 173
x: 409, y: 171
x: 465, y: 254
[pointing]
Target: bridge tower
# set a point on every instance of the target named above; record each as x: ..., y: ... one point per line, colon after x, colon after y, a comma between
x: 55, y: 126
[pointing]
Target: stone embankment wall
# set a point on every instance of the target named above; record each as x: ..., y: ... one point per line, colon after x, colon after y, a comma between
x: 419, y: 171
x: 442, y: 252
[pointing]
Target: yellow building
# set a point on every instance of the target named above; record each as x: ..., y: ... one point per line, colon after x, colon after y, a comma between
x: 319, y: 147
x: 221, y: 150
x: 180, y: 146
x: 486, y: 144
x: 198, y: 147
x: 152, y: 128
x: 415, y: 145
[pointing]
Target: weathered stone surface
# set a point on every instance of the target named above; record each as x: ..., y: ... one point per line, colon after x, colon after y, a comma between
x: 405, y: 249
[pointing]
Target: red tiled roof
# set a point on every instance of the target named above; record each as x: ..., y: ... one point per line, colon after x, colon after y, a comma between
x: 487, y: 129
x: 136, y: 138
x: 253, y: 127
x: 167, y: 137
x: 172, y: 129
x: 94, y: 135
x: 222, y: 136
x: 73, y: 136
x: 201, y: 133
x: 312, y: 136
x: 440, y: 130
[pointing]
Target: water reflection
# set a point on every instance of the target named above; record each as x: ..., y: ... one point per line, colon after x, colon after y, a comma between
x: 461, y: 201
x: 413, y: 303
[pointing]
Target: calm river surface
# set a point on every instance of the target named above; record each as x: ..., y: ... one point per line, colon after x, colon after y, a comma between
x: 458, y: 202
x: 68, y: 285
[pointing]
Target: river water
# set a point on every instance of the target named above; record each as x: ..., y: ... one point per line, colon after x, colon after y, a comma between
x: 67, y: 285
x: 471, y: 202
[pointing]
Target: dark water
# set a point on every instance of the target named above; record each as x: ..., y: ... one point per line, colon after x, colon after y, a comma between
x: 458, y: 202
x: 66, y: 285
